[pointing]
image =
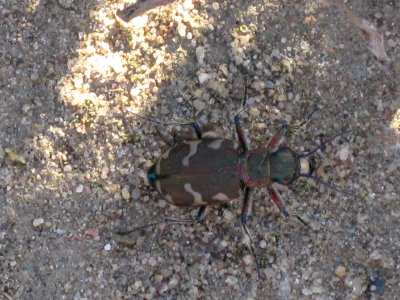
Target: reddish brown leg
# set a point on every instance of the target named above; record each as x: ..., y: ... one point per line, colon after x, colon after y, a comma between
x: 275, y: 197
x: 278, y: 138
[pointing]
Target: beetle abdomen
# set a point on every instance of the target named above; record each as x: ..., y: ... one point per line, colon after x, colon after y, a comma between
x: 199, y: 172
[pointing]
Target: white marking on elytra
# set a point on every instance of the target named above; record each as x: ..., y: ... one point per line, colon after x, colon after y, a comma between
x: 193, y: 150
x: 197, y: 196
x: 211, y: 135
x: 220, y: 197
x: 216, y: 144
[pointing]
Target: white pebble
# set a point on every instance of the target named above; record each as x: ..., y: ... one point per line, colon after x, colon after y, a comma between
x: 79, y: 189
x: 107, y: 247
x: 138, y: 284
x: 231, y: 280
x: 263, y: 244
x: 203, y: 77
x: 341, y: 271
x: 228, y: 215
x: 68, y: 168
x: 248, y: 260
x: 344, y: 153
x: 104, y: 173
x: 181, y: 29
x: 162, y: 203
x: 125, y: 193
x: 38, y: 222
x: 215, y: 5
x: 152, y: 261
x: 200, y: 52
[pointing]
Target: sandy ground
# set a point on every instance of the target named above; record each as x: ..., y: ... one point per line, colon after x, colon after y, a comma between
x: 73, y: 161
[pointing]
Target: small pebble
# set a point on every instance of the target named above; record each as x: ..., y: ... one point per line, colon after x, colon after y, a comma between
x: 38, y: 222
x: 200, y: 52
x: 262, y: 244
x: 138, y: 284
x: 163, y: 288
x: 203, y: 77
x: 152, y: 261
x: 79, y: 188
x: 181, y: 29
x: 231, y: 280
x: 125, y: 193
x: 162, y: 203
x: 25, y: 108
x: 215, y: 5
x: 391, y: 43
x: 344, y: 153
x: 68, y: 168
x: 224, y: 243
x: 228, y: 215
x: 341, y: 271
x: 199, y: 105
x: 135, y: 194
x: 107, y: 247
x: 104, y: 173
x: 248, y: 260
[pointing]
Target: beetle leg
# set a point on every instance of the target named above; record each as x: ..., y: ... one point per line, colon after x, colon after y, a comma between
x: 278, y: 138
x: 197, y: 128
x: 238, y: 123
x: 247, y: 205
x: 246, y: 209
x: 240, y: 133
x: 201, y: 214
x: 275, y: 197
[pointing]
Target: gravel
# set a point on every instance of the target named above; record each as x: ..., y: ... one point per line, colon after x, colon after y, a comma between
x: 73, y: 160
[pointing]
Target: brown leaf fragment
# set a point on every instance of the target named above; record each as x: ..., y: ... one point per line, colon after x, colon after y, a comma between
x: 369, y: 34
x: 139, y: 8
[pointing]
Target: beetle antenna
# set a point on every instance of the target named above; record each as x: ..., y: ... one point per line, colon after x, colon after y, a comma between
x: 164, y: 221
x: 308, y: 119
x: 307, y: 154
x: 302, y: 221
x: 330, y: 186
x: 158, y: 121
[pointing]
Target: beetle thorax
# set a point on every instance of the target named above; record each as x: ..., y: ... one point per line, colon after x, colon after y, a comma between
x: 256, y: 169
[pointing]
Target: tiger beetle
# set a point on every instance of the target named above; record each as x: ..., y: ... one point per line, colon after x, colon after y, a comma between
x: 208, y: 169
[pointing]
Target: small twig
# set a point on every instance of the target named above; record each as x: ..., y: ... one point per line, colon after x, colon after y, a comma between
x: 139, y: 8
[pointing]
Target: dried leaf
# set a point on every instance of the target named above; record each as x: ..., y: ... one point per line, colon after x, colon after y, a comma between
x: 367, y: 30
